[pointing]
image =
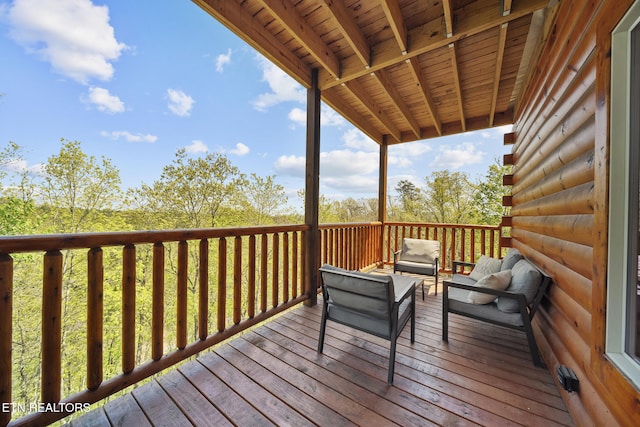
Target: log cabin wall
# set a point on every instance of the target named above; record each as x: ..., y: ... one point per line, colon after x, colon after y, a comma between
x: 560, y: 203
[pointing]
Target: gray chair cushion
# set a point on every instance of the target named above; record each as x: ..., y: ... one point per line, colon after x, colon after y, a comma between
x: 498, y: 281
x: 486, y: 311
x: 510, y: 259
x: 485, y: 265
x: 525, y: 279
x: 420, y: 250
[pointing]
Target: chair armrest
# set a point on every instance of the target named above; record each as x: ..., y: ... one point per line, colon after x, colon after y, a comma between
x: 521, y: 298
x: 396, y: 254
x: 457, y: 264
x: 405, y: 290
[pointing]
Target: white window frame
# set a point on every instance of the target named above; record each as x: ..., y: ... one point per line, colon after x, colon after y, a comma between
x: 619, y: 201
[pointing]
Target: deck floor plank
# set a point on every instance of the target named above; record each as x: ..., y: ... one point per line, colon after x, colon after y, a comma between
x: 273, y: 375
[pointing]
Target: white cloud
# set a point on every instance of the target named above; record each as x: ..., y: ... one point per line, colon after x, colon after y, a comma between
x: 20, y: 166
x: 353, y: 138
x: 74, y: 36
x: 130, y: 137
x: 457, y: 157
x: 196, y: 146
x: 283, y: 88
x: 180, y: 103
x: 345, y: 170
x: 104, y: 101
x: 328, y: 117
x: 240, y: 149
x: 223, y: 60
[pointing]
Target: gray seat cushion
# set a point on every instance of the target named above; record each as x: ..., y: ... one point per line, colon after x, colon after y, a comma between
x: 486, y: 311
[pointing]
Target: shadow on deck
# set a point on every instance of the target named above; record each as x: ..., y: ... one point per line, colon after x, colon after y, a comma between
x: 273, y: 375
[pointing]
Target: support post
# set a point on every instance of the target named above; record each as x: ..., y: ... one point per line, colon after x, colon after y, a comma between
x: 312, y: 190
x: 382, y: 195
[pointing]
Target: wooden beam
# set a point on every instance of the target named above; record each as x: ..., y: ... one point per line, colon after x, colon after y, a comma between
x: 387, y: 86
x: 284, y: 12
x: 456, y: 80
x: 361, y: 94
x: 475, y: 18
x: 350, y: 30
x: 498, y: 71
x: 414, y: 67
x: 382, y: 193
x: 448, y: 17
x: 236, y: 18
x: 396, y: 22
x: 312, y: 192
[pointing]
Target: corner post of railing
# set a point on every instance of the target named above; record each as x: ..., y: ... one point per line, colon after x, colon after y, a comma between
x: 312, y: 190
x: 382, y: 196
x: 6, y: 315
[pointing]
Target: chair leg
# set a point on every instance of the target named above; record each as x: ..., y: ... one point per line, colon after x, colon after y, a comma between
x: 445, y: 313
x: 533, y: 347
x: 323, y: 325
x: 392, y: 361
x: 422, y: 289
x: 413, y: 317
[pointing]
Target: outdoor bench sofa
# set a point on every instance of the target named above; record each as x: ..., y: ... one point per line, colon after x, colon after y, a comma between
x: 503, y: 292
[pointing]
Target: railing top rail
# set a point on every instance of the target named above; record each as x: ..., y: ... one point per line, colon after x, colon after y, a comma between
x: 349, y: 224
x: 31, y: 243
x: 441, y: 225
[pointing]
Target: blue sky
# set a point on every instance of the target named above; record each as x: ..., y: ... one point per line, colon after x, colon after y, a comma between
x: 134, y: 81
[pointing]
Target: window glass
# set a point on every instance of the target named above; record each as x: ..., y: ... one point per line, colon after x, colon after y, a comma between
x: 633, y: 291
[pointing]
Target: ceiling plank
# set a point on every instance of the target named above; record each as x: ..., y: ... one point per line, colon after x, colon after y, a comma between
x: 396, y: 22
x: 350, y: 30
x: 284, y: 12
x: 448, y: 17
x: 483, y: 15
x: 386, y: 84
x: 498, y: 71
x: 456, y: 80
x: 414, y: 67
x: 233, y: 16
x: 361, y: 94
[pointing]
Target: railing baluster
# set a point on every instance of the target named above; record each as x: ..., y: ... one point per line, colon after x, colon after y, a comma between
x: 6, y: 320
x: 263, y: 272
x: 181, y: 300
x: 157, y: 309
x: 251, y: 287
x: 294, y: 266
x: 237, y: 280
x: 128, y: 308
x: 51, y: 326
x: 222, y: 283
x: 95, y: 316
x: 274, y: 269
x: 203, y: 290
x: 285, y: 266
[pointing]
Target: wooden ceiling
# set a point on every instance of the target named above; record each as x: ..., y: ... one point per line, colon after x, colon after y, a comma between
x: 401, y: 70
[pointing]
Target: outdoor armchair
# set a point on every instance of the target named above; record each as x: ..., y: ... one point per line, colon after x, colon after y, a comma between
x: 380, y: 305
x: 418, y: 256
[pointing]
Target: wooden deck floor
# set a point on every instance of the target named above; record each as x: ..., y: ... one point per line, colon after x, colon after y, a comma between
x: 274, y: 376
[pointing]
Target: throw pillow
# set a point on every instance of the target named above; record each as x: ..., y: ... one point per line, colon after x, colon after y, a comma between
x: 498, y: 281
x: 526, y: 280
x: 485, y: 266
x: 510, y: 259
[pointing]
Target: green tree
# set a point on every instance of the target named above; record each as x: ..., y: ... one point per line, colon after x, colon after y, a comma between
x: 411, y: 202
x: 191, y: 191
x: 262, y: 200
x: 488, y: 197
x: 449, y: 197
x: 76, y: 187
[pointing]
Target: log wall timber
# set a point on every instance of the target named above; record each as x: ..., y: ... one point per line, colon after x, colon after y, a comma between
x: 560, y: 202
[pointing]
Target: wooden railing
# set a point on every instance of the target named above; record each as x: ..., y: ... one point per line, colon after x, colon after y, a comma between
x: 457, y: 241
x: 351, y: 246
x: 237, y: 277
x: 202, y: 287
